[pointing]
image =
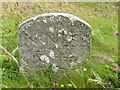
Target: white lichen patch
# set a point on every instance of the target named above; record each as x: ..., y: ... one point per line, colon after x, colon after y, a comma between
x: 69, y: 38
x: 82, y: 25
x: 72, y: 20
x: 63, y: 30
x: 43, y: 36
x: 51, y: 54
x: 28, y: 24
x: 51, y: 18
x: 22, y: 68
x: 54, y: 68
x: 38, y: 20
x: 78, y: 61
x: 84, y: 38
x: 45, y: 21
x: 43, y: 42
x: 59, y: 35
x: 70, y: 33
x: 27, y: 27
x: 45, y: 58
x: 51, y: 29
x: 56, y: 45
x: 72, y: 64
x: 36, y: 35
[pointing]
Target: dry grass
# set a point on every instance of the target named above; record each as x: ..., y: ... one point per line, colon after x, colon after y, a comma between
x: 33, y: 9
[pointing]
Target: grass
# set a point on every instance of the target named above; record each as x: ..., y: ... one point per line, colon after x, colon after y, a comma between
x: 103, y: 19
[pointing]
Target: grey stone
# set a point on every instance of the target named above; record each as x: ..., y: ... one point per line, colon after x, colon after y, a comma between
x: 56, y: 39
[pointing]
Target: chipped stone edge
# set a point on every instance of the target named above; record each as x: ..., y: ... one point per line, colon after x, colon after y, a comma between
x: 73, y: 17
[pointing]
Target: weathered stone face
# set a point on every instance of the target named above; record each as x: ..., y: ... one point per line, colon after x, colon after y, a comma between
x: 54, y: 39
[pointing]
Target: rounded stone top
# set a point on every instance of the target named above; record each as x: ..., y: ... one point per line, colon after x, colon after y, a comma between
x: 71, y: 17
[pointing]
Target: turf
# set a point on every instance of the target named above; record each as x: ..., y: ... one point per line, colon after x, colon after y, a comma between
x: 103, y: 17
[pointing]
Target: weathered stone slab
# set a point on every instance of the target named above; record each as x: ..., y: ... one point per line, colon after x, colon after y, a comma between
x: 55, y: 39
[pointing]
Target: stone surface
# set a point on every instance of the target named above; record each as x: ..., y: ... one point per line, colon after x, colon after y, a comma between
x: 55, y: 39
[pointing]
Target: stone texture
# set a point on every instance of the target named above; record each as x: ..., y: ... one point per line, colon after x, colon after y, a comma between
x: 56, y: 39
